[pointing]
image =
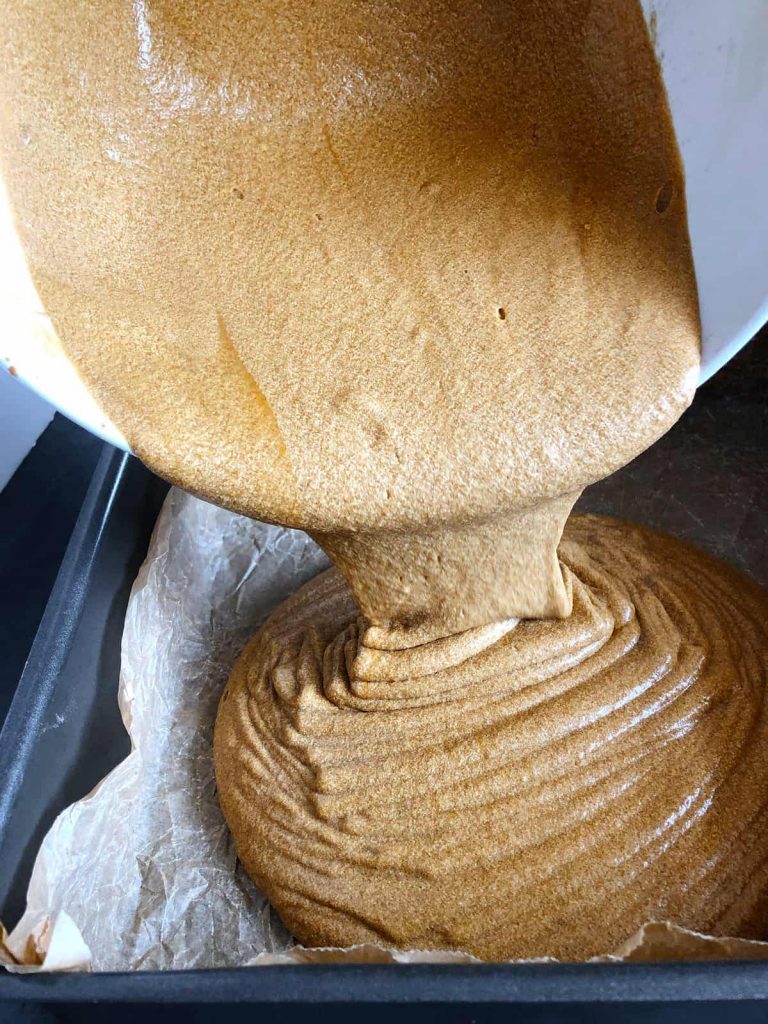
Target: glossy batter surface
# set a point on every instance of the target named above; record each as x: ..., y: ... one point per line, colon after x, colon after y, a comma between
x: 547, y: 796
x: 395, y: 273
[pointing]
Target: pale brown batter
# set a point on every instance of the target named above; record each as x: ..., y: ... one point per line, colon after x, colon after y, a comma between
x: 361, y: 267
x: 546, y: 797
x: 408, y: 276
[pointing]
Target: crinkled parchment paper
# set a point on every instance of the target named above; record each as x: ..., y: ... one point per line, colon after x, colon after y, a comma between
x: 142, y: 874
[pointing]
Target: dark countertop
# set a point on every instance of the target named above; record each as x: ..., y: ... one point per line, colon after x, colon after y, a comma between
x: 706, y: 481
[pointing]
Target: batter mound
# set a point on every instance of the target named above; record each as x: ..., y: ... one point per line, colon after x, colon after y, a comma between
x: 544, y: 792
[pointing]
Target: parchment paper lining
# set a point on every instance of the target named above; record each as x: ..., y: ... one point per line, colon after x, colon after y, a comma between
x: 141, y: 874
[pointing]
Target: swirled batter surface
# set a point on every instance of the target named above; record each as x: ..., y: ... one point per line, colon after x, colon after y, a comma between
x: 540, y: 790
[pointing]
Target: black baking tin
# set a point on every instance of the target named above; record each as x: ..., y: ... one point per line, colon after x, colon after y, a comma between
x: 63, y: 733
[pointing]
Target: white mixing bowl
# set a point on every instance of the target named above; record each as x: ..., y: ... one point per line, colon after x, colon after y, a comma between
x: 714, y: 58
